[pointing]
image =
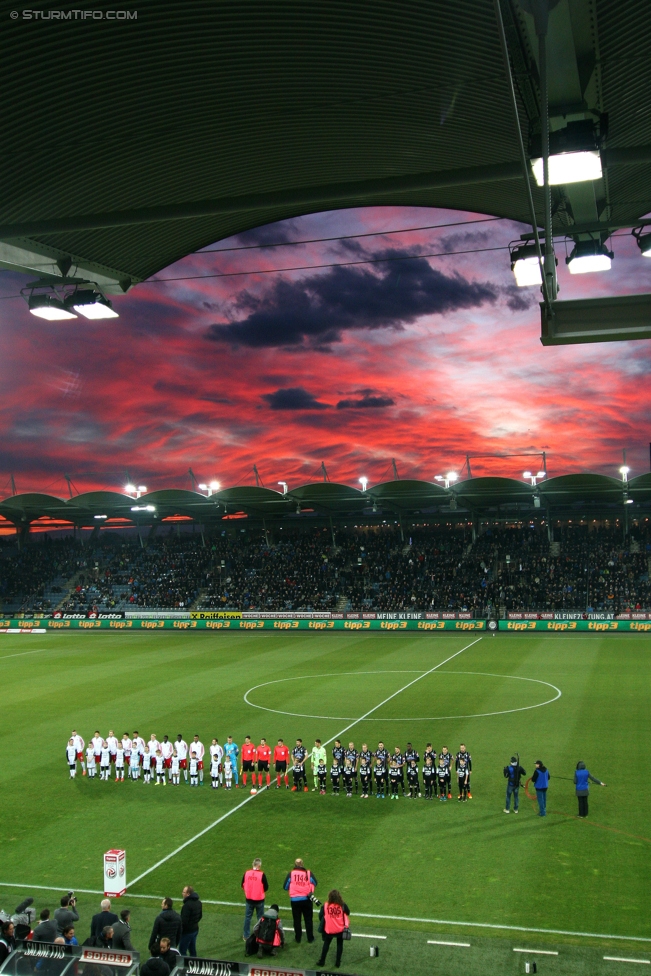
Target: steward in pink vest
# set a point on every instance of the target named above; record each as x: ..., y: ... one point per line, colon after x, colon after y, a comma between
x: 254, y: 885
x: 334, y: 917
x: 300, y: 883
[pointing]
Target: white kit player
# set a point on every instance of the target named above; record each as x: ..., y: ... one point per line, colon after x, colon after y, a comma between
x: 199, y: 752
x: 112, y: 743
x: 146, y: 765
x: 181, y: 750
x: 71, y: 757
x: 167, y: 750
x: 228, y: 773
x: 105, y: 761
x: 160, y: 769
x: 97, y: 742
x: 91, y: 765
x: 80, y: 745
x: 194, y: 769
x: 137, y: 751
x: 119, y: 763
x: 154, y: 746
x: 216, y: 754
x: 215, y: 768
x: 126, y: 745
x: 175, y: 771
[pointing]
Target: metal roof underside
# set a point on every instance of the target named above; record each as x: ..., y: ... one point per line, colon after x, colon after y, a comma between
x: 229, y: 115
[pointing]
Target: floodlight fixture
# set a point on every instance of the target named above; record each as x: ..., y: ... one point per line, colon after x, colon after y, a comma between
x: 573, y: 154
x: 451, y: 476
x: 49, y: 307
x: 130, y: 489
x: 100, y: 516
x: 143, y: 508
x: 214, y: 486
x: 526, y: 474
x: 447, y: 479
x: 203, y: 487
x: 91, y: 304
x: 526, y: 266
x: 624, y: 472
x: 363, y: 481
x: 628, y: 501
x: 589, y: 256
x: 533, y: 478
x: 283, y: 485
x: 142, y: 488
x: 643, y: 242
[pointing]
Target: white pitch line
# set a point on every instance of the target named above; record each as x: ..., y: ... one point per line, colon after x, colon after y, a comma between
x: 196, y: 836
x: 39, y: 650
x: 400, y: 690
x: 362, y: 935
x: 391, y: 918
x: 537, y: 952
x: 645, y: 962
x: 462, y: 945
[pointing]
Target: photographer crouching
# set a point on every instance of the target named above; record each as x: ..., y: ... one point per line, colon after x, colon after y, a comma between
x: 300, y: 883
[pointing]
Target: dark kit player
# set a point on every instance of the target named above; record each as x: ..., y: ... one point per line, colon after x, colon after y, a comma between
x: 399, y: 760
x: 463, y: 774
x: 412, y: 779
x: 335, y: 773
x: 447, y: 759
x: 299, y: 755
x: 338, y: 752
x: 348, y: 774
x: 380, y: 773
x: 365, y: 778
x: 429, y: 779
x: 322, y: 775
x: 443, y: 779
x: 353, y: 756
x: 395, y: 778
x: 464, y: 756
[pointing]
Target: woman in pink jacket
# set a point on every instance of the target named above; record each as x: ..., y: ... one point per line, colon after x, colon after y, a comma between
x: 334, y: 920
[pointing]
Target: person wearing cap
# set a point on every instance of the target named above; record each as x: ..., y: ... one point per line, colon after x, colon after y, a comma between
x: 513, y: 774
x: 582, y: 777
x: 269, y: 933
x: 540, y: 780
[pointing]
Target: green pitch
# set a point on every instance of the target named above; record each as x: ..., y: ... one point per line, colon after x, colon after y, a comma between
x: 462, y: 862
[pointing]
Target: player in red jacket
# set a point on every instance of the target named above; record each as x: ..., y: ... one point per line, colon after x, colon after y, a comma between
x: 281, y: 758
x: 264, y: 758
x: 249, y: 758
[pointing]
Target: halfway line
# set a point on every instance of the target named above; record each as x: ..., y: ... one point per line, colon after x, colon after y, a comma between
x: 400, y: 690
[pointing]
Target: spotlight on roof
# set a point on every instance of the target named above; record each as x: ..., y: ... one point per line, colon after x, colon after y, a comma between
x: 451, y: 476
x: 624, y: 472
x: 142, y: 488
x: 49, y: 307
x: 130, y: 489
x: 363, y: 482
x: 643, y: 242
x: 283, y: 485
x: 91, y: 304
x: 203, y: 487
x: 214, y: 486
x: 588, y: 256
x: 573, y: 154
x: 526, y: 266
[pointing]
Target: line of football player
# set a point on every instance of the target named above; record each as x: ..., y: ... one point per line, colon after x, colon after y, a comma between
x: 363, y: 772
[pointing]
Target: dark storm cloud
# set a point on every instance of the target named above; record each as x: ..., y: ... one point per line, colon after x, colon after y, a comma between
x: 464, y: 240
x: 293, y: 398
x: 266, y: 236
x: 315, y: 311
x: 365, y: 403
x: 519, y: 299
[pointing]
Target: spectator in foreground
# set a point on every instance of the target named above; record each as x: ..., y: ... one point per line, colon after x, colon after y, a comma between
x: 335, y: 920
x: 582, y: 777
x: 122, y: 932
x: 67, y: 914
x: 168, y: 953
x: 255, y: 885
x: 7, y: 940
x: 513, y: 774
x: 46, y: 930
x: 167, y: 924
x: 540, y: 780
x: 268, y: 931
x: 105, y: 917
x: 69, y: 935
x: 155, y: 966
x: 191, y: 915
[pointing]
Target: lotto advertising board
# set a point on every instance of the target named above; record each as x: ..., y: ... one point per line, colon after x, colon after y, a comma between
x: 10, y: 626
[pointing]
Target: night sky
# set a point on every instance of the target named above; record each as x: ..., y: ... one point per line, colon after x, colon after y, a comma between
x: 423, y: 360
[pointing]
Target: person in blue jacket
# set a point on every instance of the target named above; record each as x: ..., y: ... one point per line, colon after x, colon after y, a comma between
x: 582, y: 777
x: 540, y: 780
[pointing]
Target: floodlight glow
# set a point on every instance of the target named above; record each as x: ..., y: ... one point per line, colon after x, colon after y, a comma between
x: 49, y: 307
x: 624, y: 469
x: 92, y: 305
x: 438, y: 477
x: 142, y: 488
x: 214, y: 486
x: 526, y: 265
x: 589, y: 256
x: 100, y: 516
x: 363, y: 482
x: 284, y: 486
x: 569, y: 167
x: 203, y: 487
x: 644, y: 244
x: 527, y: 474
x: 629, y: 501
x: 452, y: 476
x: 130, y: 489
x: 541, y: 474
x: 143, y: 508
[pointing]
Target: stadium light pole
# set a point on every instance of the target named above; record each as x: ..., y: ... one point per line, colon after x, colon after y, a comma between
x: 447, y: 479
x: 363, y: 481
x: 283, y: 485
x: 534, y: 477
x: 209, y: 489
x: 624, y: 472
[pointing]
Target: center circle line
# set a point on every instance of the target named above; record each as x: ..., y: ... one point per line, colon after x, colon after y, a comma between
x: 434, y: 718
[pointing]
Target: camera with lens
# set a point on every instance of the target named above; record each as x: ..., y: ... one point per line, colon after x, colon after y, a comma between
x: 315, y: 901
x: 71, y: 898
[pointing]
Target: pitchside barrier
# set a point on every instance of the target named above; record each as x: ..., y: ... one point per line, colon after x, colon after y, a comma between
x: 44, y: 626
x: 191, y: 966
x: 67, y: 960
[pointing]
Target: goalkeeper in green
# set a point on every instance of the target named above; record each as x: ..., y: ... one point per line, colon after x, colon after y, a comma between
x: 317, y: 757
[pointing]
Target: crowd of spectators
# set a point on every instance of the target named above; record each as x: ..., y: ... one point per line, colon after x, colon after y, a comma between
x: 373, y: 568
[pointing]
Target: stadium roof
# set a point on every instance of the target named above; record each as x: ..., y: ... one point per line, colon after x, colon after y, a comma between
x: 130, y: 143
x: 565, y: 496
